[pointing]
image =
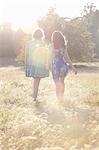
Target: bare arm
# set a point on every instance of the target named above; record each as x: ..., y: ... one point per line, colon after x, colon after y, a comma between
x: 68, y: 60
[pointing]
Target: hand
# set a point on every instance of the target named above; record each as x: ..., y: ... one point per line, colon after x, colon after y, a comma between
x: 74, y: 69
x: 66, y: 42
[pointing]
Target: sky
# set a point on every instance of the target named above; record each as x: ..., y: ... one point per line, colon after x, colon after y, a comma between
x: 22, y: 13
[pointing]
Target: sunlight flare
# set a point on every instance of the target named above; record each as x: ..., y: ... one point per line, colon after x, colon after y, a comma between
x: 23, y: 13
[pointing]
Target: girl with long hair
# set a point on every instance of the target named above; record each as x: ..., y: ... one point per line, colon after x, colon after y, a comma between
x: 60, y: 62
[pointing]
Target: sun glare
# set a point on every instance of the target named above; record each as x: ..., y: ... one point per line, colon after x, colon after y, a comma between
x: 22, y: 13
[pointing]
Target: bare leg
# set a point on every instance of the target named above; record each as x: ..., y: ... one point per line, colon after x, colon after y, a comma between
x: 62, y: 86
x: 57, y: 84
x: 35, y: 87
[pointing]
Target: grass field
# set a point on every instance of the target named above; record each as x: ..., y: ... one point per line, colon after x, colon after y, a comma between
x: 72, y: 124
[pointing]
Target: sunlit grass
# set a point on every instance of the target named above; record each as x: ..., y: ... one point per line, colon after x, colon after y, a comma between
x: 72, y: 124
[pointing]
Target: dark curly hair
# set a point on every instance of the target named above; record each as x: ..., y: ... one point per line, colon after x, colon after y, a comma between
x: 58, y: 40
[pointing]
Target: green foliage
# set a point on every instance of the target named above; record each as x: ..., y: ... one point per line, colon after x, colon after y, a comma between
x: 50, y: 22
x: 80, y: 44
x: 91, y: 19
x: 7, y: 47
x: 82, y: 34
x: 12, y: 43
x: 21, y: 43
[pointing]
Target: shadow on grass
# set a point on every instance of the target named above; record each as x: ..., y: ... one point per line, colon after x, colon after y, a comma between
x: 88, y: 68
x: 6, y: 62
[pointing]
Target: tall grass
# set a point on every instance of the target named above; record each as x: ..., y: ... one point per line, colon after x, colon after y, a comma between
x: 72, y: 124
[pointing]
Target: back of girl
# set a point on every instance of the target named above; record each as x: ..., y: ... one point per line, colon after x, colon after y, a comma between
x: 60, y: 62
x: 37, y: 60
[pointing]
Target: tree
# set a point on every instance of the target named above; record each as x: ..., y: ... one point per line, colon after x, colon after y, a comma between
x: 50, y: 23
x: 21, y: 41
x: 91, y: 19
x: 6, y: 41
x: 80, y: 45
x: 12, y: 43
